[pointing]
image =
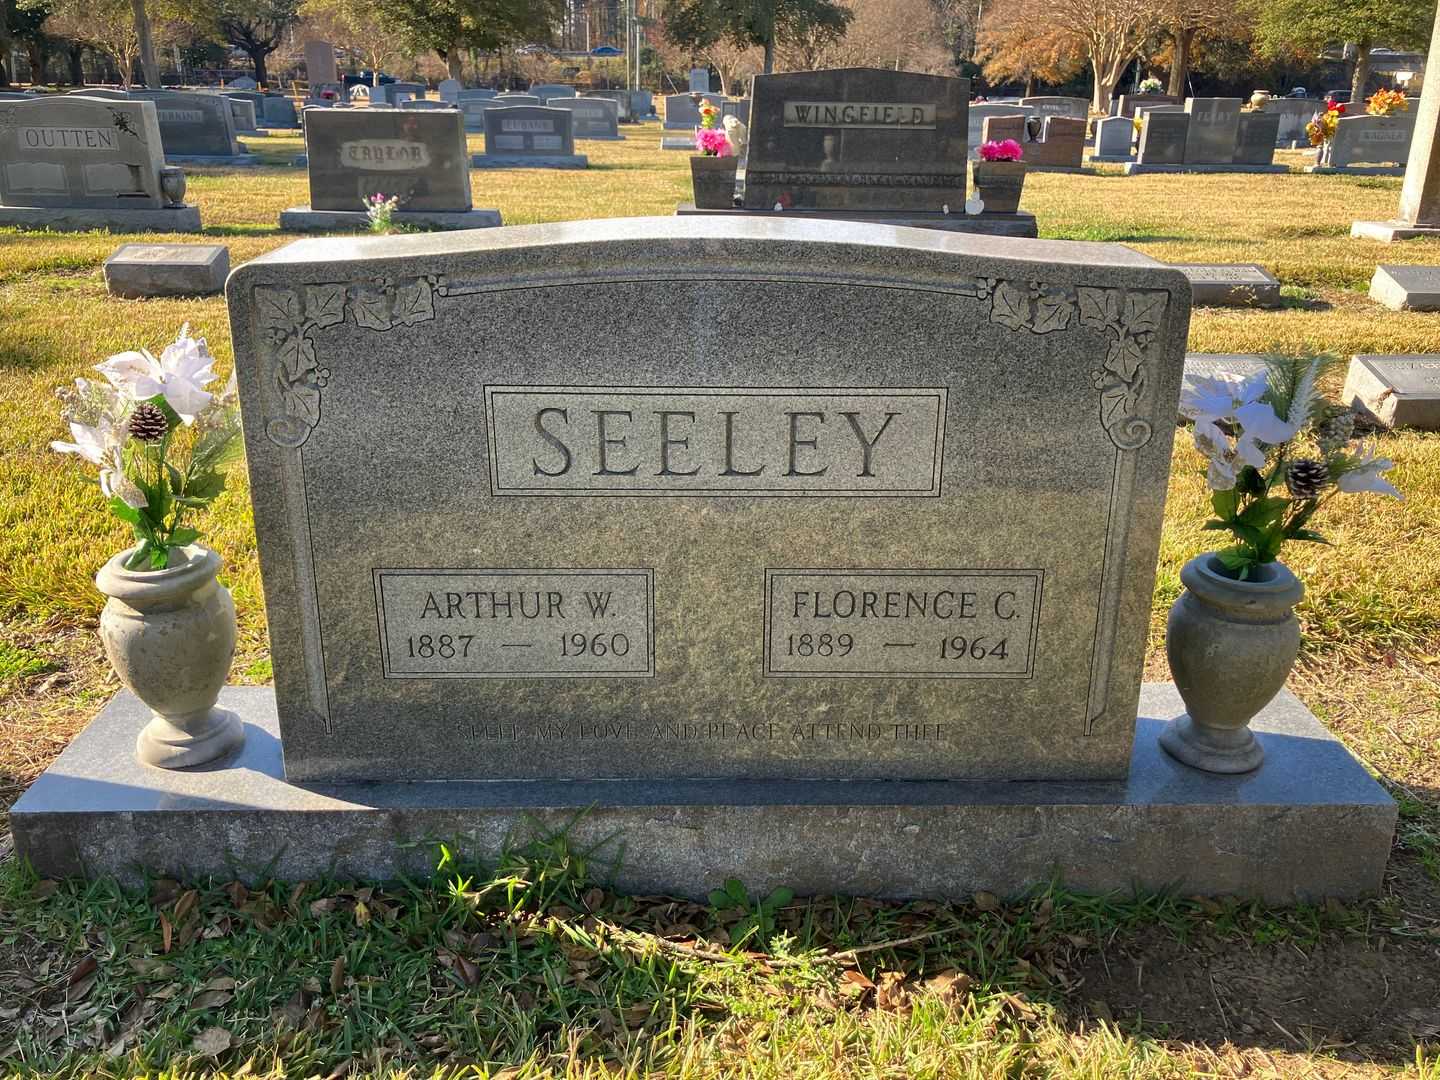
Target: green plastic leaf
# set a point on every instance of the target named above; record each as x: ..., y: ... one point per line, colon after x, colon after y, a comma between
x: 124, y: 511
x: 1225, y: 503
x: 181, y: 537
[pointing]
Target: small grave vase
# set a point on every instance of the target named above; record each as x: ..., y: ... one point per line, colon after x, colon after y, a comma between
x: 1260, y: 98
x: 1000, y: 184
x: 714, y: 181
x: 1231, y: 645
x: 170, y: 635
x: 172, y: 185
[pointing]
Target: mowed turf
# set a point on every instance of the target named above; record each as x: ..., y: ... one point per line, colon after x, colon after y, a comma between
x: 1370, y: 667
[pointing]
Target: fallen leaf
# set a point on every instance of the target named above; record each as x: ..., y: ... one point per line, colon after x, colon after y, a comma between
x: 986, y: 901
x: 890, y: 992
x: 186, y: 904
x: 152, y: 967
x: 43, y: 890
x: 212, y: 1042
x: 950, y: 984
x: 238, y: 894
x: 323, y: 906
x: 167, y: 935
x: 337, y: 975
x: 211, y: 999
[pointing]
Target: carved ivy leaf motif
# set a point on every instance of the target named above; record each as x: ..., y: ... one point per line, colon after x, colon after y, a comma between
x: 1098, y: 307
x: 414, y: 302
x: 1143, y: 312
x: 1118, y: 401
x: 1125, y: 357
x: 325, y: 304
x: 1052, y: 311
x: 1010, y: 306
x: 371, y: 308
x: 277, y: 307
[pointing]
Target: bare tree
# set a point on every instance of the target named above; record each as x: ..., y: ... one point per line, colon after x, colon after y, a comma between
x: 1185, y: 21
x: 1110, y: 33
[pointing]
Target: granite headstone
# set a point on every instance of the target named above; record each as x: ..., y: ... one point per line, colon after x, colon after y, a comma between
x: 1231, y: 284
x: 418, y: 156
x: 1114, y: 136
x: 857, y: 139
x: 593, y: 118
x: 1397, y: 390
x: 1210, y: 138
x: 1375, y: 140
x: 1406, y: 288
x: 136, y: 271
x: 196, y: 126
x: 529, y: 135
x: 1255, y: 138
x: 320, y: 62
x: 1162, y: 138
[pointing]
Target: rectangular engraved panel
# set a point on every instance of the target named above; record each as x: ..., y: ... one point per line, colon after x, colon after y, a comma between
x: 859, y: 114
x: 676, y: 441
x: 933, y: 624
x: 525, y: 624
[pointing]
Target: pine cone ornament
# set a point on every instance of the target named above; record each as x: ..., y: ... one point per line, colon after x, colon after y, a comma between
x: 1306, y: 478
x: 1336, y: 431
x: 147, y: 423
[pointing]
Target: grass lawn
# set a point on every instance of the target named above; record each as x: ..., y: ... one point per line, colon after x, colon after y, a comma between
x: 532, y: 967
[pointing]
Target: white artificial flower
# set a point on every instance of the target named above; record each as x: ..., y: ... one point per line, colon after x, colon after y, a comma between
x: 104, y: 446
x: 1236, y: 401
x: 1363, y: 473
x: 180, y: 374
x: 91, y: 443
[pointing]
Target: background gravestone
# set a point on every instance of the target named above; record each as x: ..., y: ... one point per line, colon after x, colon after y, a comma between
x: 977, y: 114
x: 136, y: 271
x: 1255, y: 138
x: 1231, y: 284
x: 592, y: 118
x: 1214, y: 123
x: 1127, y: 104
x: 473, y: 110
x: 449, y: 90
x: 1060, y: 144
x: 421, y: 157
x: 1372, y: 139
x: 69, y: 162
x: 857, y: 139
x: 534, y: 136
x: 1058, y: 106
x: 1396, y: 391
x: 196, y: 127
x: 280, y: 112
x: 518, y: 99
x: 623, y: 99
x: 700, y: 80
x: 320, y: 63
x: 1406, y: 288
x: 1163, y: 138
x: 546, y: 91
x: 1114, y: 136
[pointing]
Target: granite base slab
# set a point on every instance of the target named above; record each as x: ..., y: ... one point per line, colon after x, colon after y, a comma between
x: 1136, y: 168
x: 1355, y: 170
x: 177, y: 219
x: 529, y: 161
x: 1018, y: 224
x: 228, y: 160
x: 1388, y: 232
x: 1310, y: 823
x: 599, y: 138
x: 304, y: 219
x: 1111, y: 159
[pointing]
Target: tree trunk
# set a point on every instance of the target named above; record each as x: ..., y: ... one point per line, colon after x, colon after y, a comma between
x: 75, y: 55
x: 1104, y: 87
x: 1029, y: 85
x: 4, y: 47
x: 1360, y: 77
x: 455, y: 64
x: 147, y: 45
x: 258, y: 58
x: 1180, y: 67
x: 770, y: 54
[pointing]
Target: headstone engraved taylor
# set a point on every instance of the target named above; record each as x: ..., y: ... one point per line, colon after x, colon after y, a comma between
x: 529, y: 136
x: 1231, y: 284
x: 418, y: 156
x: 71, y: 162
x: 753, y: 600
x: 1396, y: 391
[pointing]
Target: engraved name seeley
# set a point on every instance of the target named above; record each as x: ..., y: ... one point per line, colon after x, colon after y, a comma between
x: 678, y: 441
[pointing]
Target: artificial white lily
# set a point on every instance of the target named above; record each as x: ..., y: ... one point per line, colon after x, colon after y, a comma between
x: 1362, y: 473
x: 114, y: 482
x: 91, y: 443
x: 103, y: 445
x: 180, y: 374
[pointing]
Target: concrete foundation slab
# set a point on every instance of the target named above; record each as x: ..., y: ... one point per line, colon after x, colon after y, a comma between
x: 1390, y: 231
x: 302, y: 218
x: 1310, y: 823
x: 241, y: 160
x: 529, y: 161
x: 179, y: 219
x: 1136, y: 168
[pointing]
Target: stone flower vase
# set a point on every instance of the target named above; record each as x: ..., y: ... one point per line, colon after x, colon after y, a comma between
x: 1230, y: 644
x: 170, y: 635
x: 1259, y: 99
x: 714, y: 181
x: 999, y: 185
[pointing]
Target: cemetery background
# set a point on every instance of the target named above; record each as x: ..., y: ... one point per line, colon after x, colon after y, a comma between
x: 1369, y: 669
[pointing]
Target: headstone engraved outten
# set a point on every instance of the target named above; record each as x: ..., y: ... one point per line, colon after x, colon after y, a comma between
x: 639, y: 567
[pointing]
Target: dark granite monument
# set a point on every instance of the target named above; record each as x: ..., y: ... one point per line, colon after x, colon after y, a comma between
x: 416, y: 155
x: 1396, y: 390
x: 196, y: 128
x: 593, y: 118
x: 528, y: 136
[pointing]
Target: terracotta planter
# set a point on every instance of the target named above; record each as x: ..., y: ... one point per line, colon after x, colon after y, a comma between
x: 999, y: 185
x: 714, y: 181
x: 170, y: 635
x: 1231, y: 645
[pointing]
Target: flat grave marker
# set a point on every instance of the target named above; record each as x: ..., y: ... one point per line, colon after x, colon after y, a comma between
x: 1406, y: 288
x: 136, y: 271
x: 1397, y: 391
x: 1231, y: 284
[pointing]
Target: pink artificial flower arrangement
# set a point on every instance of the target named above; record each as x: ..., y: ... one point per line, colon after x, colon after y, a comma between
x: 1004, y: 150
x: 712, y: 142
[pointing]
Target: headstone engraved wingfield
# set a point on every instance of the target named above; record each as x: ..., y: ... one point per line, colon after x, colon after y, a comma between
x: 74, y: 162
x: 754, y: 601
x: 196, y: 128
x: 419, y: 157
x: 529, y: 136
x: 1397, y: 390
